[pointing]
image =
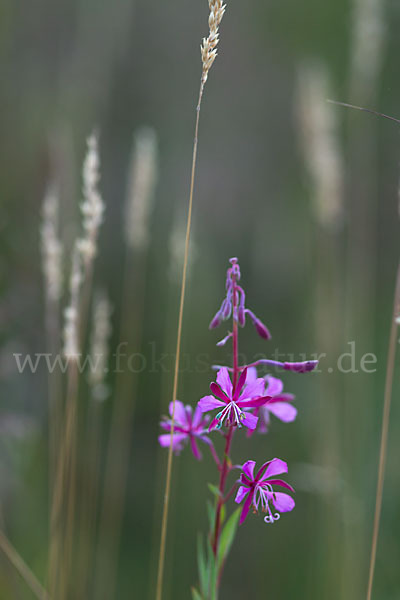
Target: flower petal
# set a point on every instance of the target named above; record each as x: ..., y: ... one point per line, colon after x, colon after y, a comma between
x: 264, y: 422
x: 180, y: 412
x: 167, y: 425
x: 283, y: 411
x: 195, y: 448
x: 280, y: 482
x: 217, y: 391
x: 248, y: 469
x: 253, y: 402
x: 224, y: 381
x: 240, y: 383
x: 276, y: 466
x: 275, y: 386
x: 246, y: 506
x: 177, y: 440
x: 253, y: 389
x: 241, y: 493
x: 250, y: 420
x: 283, y: 397
x: 251, y: 375
x: 209, y: 403
x: 282, y: 502
x: 213, y: 424
x: 197, y: 417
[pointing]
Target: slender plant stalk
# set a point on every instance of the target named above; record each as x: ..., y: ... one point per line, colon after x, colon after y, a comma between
x: 384, y: 432
x: 161, y: 561
x: 169, y: 342
x: 72, y: 435
x: 208, y: 56
x: 363, y: 109
x: 387, y: 394
x: 52, y: 326
x: 85, y: 248
x: 52, y: 250
x: 22, y: 568
x: 55, y: 401
x: 60, y: 553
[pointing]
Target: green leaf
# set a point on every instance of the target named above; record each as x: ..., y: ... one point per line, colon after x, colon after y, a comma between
x: 227, y: 537
x: 196, y: 595
x: 213, y: 573
x: 214, y: 490
x: 223, y: 513
x: 211, y: 514
x: 204, y: 576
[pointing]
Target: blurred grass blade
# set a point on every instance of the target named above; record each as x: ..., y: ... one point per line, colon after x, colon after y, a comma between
x: 196, y: 595
x: 22, y: 568
x: 385, y: 430
x: 202, y: 566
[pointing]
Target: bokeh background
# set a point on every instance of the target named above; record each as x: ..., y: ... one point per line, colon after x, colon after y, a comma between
x: 304, y: 193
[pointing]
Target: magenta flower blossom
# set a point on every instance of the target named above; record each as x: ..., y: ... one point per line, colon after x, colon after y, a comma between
x: 258, y: 490
x: 187, y: 427
x: 280, y: 404
x: 247, y: 394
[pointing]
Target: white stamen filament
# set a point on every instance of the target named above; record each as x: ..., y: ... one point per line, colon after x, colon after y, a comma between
x: 232, y: 414
x: 272, y: 518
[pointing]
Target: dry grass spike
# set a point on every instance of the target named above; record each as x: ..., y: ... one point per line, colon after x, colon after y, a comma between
x: 209, y: 45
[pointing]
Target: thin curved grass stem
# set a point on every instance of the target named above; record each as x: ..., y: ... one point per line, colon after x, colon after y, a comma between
x: 384, y: 432
x: 161, y: 560
x: 19, y: 564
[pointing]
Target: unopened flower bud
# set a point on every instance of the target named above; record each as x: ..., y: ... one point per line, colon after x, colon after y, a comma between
x: 216, y: 322
x: 261, y: 329
x: 301, y: 367
x: 226, y: 309
x: 241, y: 316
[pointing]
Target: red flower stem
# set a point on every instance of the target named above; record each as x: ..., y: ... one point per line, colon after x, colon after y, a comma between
x: 215, y: 457
x: 227, y: 462
x: 229, y: 494
x: 224, y: 473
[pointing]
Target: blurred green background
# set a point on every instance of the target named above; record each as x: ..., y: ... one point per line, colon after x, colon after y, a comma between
x: 304, y: 193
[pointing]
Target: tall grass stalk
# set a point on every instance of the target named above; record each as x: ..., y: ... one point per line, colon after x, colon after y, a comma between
x: 141, y: 186
x: 385, y: 429
x: 176, y: 252
x: 64, y: 497
x: 19, y: 564
x: 98, y: 393
x: 51, y: 248
x: 208, y: 55
x: 387, y: 393
x: 320, y: 148
x: 366, y: 61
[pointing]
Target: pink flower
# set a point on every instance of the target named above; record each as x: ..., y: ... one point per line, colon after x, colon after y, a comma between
x: 280, y: 404
x: 247, y: 394
x: 187, y: 426
x: 258, y: 489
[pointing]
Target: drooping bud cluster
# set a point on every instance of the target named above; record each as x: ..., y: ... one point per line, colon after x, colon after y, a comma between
x: 240, y: 311
x: 209, y: 45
